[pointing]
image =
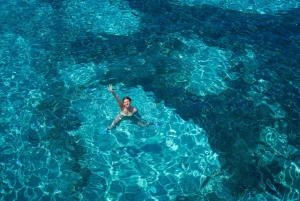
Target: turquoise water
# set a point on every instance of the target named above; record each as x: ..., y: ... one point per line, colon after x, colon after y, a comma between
x: 220, y: 77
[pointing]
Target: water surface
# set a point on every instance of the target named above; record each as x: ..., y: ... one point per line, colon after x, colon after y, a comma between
x: 221, y: 78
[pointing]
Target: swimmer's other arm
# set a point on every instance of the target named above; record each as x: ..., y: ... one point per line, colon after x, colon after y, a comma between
x: 116, y: 96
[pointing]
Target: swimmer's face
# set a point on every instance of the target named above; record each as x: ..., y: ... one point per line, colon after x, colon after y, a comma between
x: 126, y: 102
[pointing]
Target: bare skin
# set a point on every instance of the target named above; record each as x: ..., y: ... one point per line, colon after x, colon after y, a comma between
x: 125, y: 106
x: 126, y: 111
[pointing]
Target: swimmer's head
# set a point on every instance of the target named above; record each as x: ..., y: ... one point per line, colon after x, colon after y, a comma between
x: 126, y: 101
x: 126, y: 97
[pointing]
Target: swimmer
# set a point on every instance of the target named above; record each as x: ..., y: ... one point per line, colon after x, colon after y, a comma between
x: 127, y: 111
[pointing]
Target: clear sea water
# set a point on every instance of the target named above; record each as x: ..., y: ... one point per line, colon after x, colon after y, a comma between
x: 222, y: 78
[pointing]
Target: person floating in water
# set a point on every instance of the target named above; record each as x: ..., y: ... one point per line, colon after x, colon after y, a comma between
x: 127, y: 111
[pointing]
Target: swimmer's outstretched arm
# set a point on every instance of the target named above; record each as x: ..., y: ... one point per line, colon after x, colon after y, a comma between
x: 116, y: 96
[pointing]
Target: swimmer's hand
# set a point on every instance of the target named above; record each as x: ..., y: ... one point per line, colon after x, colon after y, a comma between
x: 157, y: 124
x: 116, y: 97
x: 110, y: 88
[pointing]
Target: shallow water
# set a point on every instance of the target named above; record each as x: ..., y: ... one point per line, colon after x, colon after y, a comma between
x: 220, y: 77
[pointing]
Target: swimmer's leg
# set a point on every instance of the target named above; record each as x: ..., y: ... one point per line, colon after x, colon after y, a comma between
x: 115, y: 122
x: 143, y: 123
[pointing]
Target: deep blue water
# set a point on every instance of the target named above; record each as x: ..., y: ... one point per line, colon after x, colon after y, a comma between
x: 222, y: 78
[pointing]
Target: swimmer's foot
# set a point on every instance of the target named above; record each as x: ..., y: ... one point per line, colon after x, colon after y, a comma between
x: 104, y: 132
x: 157, y: 124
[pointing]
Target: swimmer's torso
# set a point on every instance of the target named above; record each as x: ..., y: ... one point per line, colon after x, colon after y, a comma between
x: 128, y: 112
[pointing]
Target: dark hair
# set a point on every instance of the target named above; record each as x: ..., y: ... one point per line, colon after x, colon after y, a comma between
x: 126, y: 97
